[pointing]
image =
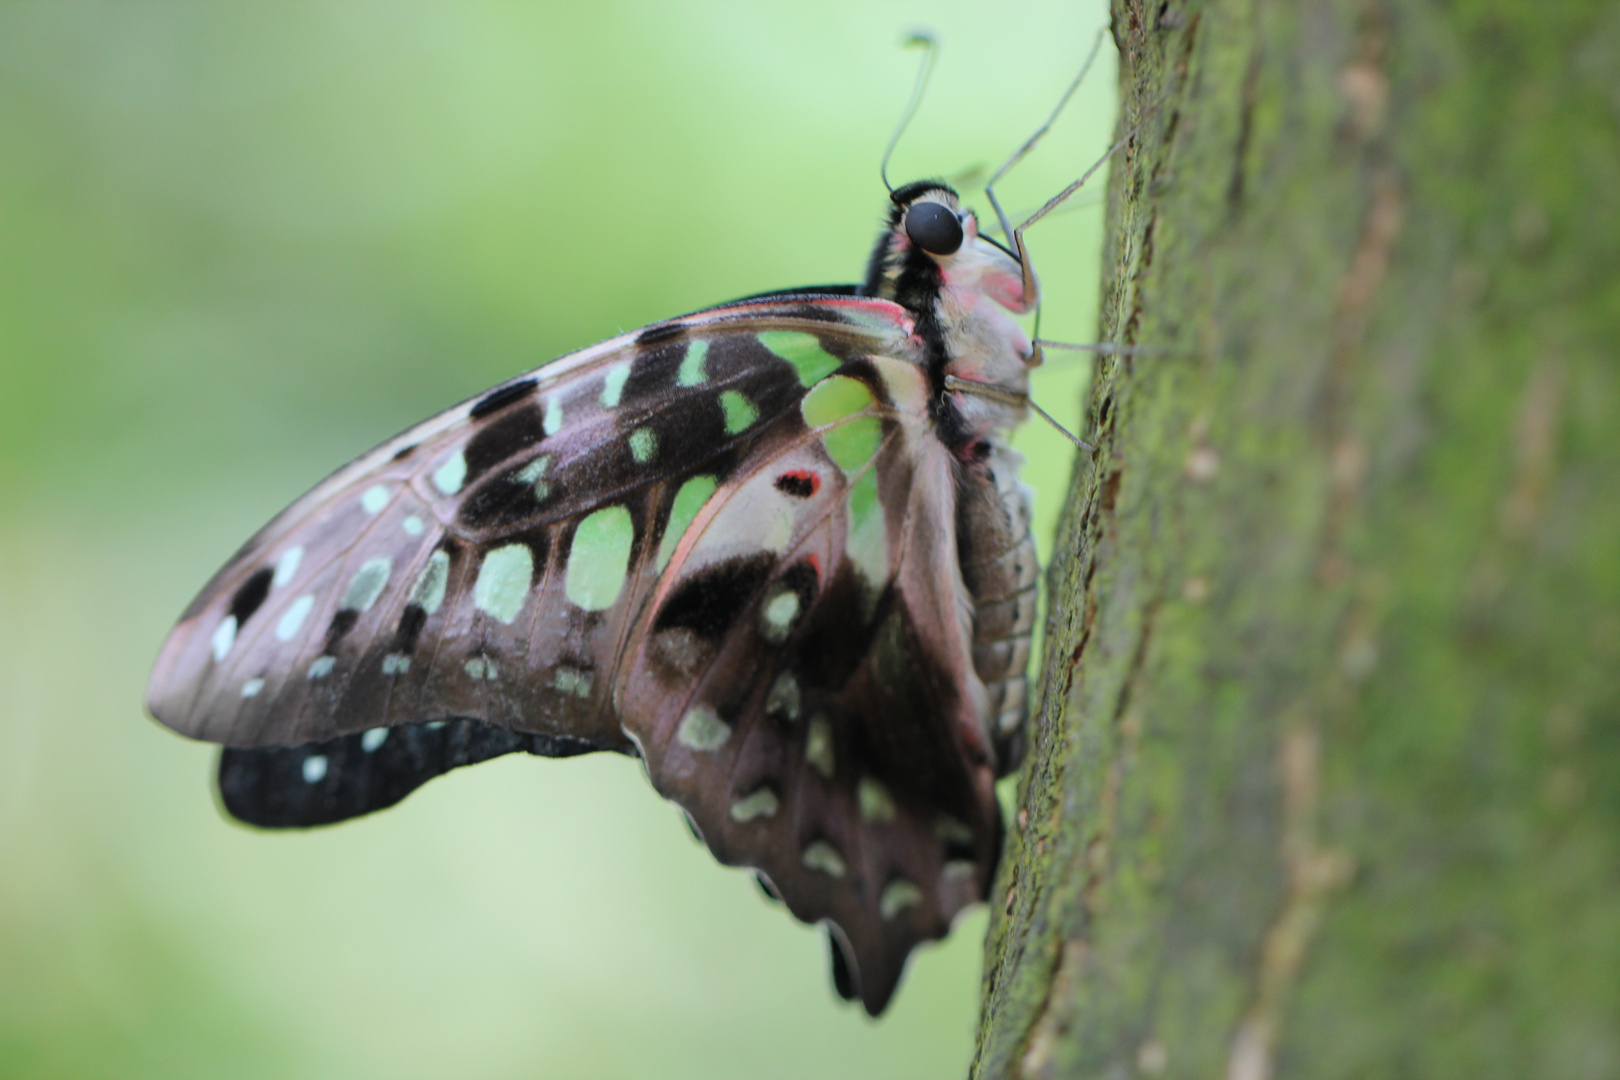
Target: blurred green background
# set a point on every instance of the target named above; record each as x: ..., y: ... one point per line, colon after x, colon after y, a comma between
x: 240, y: 243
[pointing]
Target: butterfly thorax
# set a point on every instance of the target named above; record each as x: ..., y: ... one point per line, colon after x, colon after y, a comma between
x: 962, y: 289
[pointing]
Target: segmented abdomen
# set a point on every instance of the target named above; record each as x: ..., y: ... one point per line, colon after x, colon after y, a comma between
x: 999, y: 567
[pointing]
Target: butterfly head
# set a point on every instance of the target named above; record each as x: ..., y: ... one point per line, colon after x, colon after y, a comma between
x: 963, y: 289
x: 932, y: 248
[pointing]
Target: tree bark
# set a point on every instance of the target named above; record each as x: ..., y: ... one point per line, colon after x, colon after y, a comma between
x: 1325, y: 778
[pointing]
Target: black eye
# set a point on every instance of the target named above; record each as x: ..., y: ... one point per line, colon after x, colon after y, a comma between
x: 933, y: 228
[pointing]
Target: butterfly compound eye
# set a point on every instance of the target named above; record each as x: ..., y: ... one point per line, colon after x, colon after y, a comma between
x: 934, y: 228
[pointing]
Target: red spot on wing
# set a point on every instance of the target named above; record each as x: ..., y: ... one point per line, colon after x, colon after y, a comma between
x: 800, y: 483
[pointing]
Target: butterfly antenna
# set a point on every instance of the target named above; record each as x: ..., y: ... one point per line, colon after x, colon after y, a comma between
x: 925, y: 40
x: 1029, y: 143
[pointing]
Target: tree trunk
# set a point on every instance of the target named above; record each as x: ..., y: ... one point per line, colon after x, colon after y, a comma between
x: 1325, y: 781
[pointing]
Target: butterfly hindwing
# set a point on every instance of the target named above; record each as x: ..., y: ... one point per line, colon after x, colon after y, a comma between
x: 802, y: 691
x: 323, y: 782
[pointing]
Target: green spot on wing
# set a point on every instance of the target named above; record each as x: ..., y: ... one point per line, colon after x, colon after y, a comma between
x: 688, y: 501
x: 643, y: 445
x: 692, y: 373
x: 740, y: 412
x: 534, y: 470
x: 803, y: 351
x: 600, y: 558
x: 428, y: 592
x: 834, y: 398
x: 852, y: 443
x: 613, y: 384
x: 867, y: 543
x: 503, y: 581
x: 367, y: 584
x: 448, y: 477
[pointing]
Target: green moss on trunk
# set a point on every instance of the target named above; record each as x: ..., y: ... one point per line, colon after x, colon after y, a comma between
x: 1326, y: 777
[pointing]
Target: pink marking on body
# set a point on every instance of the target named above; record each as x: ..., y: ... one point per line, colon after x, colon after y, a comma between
x: 1005, y: 289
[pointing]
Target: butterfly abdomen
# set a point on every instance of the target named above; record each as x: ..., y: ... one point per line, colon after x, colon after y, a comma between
x: 999, y: 569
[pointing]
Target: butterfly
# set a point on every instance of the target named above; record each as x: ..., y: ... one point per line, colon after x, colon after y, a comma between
x: 777, y: 549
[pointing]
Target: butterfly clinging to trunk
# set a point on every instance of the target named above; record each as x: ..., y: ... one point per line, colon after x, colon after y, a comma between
x: 778, y: 549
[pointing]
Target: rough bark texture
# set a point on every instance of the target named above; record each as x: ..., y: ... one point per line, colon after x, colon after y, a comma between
x: 1326, y: 776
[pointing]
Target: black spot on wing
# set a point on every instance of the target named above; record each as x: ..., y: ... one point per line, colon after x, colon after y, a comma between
x: 410, y: 628
x: 501, y: 397
x: 503, y: 438
x: 799, y: 483
x: 843, y: 973
x: 251, y: 595
x: 833, y: 644
x: 806, y: 290
x: 497, y: 502
x: 660, y: 332
x: 652, y: 373
x: 816, y: 313
x: 767, y: 888
x: 802, y: 579
x: 320, y: 783
x: 710, y: 601
x: 340, y: 625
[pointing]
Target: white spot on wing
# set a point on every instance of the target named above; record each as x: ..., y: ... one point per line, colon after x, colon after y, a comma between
x: 314, y: 768
x: 287, y: 565
x: 876, y: 804
x: 321, y: 666
x: 293, y: 618
x: 224, y: 637
x: 412, y: 525
x: 449, y: 477
x: 761, y: 803
x: 375, y: 498
x: 824, y: 857
x: 702, y: 730
x: 373, y: 738
x: 567, y: 680
x: 779, y: 613
x: 783, y: 700
x: 898, y: 895
x: 554, y: 416
x: 396, y: 664
x: 252, y: 687
x: 818, y: 745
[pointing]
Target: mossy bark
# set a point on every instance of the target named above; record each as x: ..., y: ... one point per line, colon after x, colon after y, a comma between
x: 1325, y: 780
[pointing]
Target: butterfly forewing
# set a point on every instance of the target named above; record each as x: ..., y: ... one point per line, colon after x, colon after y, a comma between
x: 513, y: 533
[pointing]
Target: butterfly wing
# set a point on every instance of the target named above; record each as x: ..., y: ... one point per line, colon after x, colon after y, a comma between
x: 804, y: 691
x: 725, y: 542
